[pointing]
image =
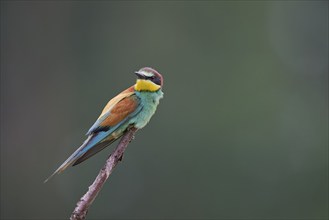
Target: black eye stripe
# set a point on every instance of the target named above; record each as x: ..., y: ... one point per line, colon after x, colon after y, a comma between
x: 157, y: 81
x: 155, y: 78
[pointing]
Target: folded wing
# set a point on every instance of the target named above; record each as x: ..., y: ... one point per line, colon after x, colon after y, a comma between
x: 107, y: 128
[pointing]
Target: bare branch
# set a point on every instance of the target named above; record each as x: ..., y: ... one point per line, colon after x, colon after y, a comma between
x: 87, y: 199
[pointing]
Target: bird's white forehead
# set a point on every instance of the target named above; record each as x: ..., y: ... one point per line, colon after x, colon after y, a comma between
x: 147, y: 74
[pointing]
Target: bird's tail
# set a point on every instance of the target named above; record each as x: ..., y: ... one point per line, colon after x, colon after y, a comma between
x: 71, y: 160
x: 59, y: 170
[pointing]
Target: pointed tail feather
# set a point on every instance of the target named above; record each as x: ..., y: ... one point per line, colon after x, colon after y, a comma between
x: 87, y: 149
x: 59, y: 170
x: 69, y: 161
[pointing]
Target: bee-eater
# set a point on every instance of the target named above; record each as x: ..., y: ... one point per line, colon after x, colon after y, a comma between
x: 132, y: 107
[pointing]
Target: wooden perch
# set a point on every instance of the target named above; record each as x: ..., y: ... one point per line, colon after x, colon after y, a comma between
x: 87, y: 199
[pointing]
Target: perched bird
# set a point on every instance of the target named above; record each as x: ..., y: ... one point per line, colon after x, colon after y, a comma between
x: 132, y: 107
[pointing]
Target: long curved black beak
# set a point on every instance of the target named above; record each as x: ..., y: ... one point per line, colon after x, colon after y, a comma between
x: 140, y: 75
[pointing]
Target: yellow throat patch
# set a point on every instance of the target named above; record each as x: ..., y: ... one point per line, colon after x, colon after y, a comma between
x: 146, y: 85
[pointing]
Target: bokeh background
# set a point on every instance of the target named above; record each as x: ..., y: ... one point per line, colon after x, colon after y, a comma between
x: 241, y: 133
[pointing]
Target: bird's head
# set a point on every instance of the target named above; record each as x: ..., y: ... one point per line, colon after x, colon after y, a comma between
x: 148, y: 80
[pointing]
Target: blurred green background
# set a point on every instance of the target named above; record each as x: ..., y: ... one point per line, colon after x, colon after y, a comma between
x: 242, y: 131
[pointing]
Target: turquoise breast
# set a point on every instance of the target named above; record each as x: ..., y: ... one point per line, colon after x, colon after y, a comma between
x: 149, y: 101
